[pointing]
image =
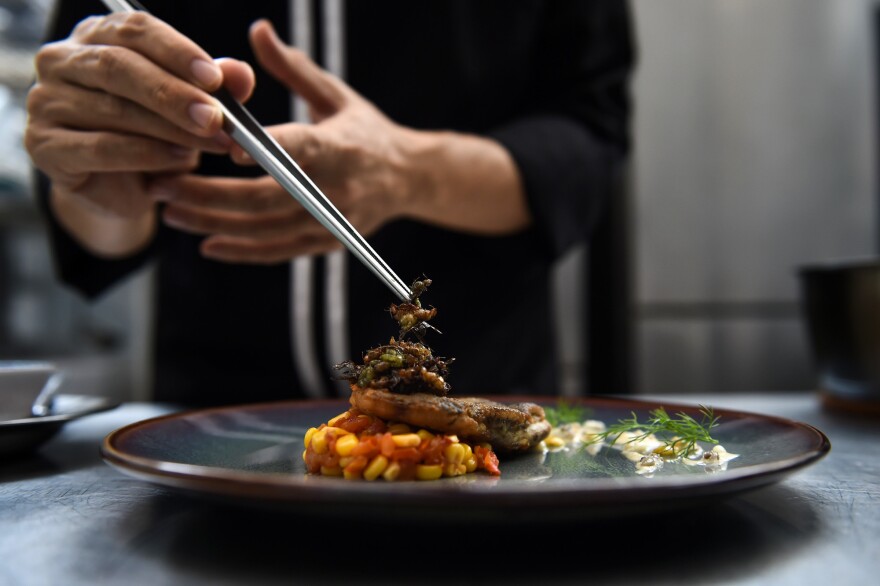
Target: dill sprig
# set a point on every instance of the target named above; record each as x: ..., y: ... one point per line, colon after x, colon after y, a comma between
x: 565, y: 412
x: 680, y: 433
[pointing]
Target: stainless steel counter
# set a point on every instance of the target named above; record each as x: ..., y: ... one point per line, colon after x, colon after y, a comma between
x: 68, y: 518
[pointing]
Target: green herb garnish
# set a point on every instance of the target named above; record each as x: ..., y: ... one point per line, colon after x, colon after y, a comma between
x: 680, y: 434
x: 565, y: 412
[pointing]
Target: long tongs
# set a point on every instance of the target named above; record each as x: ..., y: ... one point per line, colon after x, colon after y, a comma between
x: 244, y: 129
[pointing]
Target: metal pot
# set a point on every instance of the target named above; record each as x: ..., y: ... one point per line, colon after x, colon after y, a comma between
x: 841, y: 310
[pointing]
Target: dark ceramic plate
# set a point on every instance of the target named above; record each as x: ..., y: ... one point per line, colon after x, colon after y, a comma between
x: 22, y: 436
x: 252, y: 454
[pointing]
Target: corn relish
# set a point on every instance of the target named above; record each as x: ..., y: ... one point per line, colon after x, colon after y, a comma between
x: 357, y: 446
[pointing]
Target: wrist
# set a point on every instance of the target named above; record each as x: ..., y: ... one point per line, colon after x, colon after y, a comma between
x: 101, y: 233
x: 463, y: 182
x: 419, y: 163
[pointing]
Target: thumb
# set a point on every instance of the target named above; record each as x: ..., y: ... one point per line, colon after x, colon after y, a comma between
x: 324, y: 93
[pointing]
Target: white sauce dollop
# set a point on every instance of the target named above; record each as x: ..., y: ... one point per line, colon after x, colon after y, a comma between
x: 647, y: 452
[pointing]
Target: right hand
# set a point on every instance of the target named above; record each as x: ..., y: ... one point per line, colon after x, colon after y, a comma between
x: 124, y: 97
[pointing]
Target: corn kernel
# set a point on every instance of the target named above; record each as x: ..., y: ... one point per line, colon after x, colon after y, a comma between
x: 453, y: 438
x: 429, y: 471
x: 309, y: 434
x: 346, y: 444
x: 337, y: 419
x: 319, y: 441
x: 470, y: 463
x: 454, y: 453
x: 345, y: 461
x: 304, y: 455
x: 406, y: 440
x: 337, y: 431
x: 424, y: 434
x: 349, y: 475
x: 376, y: 467
x: 391, y: 472
x: 554, y: 441
x: 331, y: 471
x: 399, y: 428
x: 450, y: 469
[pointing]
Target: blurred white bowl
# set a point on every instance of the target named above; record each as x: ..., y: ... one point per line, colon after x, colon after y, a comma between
x: 27, y: 388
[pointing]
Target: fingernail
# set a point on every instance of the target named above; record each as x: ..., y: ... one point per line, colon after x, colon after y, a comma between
x: 203, y: 114
x: 206, y: 72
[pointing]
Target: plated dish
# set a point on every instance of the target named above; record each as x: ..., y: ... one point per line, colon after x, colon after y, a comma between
x: 22, y: 435
x: 252, y: 454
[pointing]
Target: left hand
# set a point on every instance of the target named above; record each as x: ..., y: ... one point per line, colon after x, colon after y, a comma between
x: 355, y: 154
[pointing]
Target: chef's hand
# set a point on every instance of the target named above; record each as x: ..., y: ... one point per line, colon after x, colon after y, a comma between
x: 352, y: 152
x: 373, y: 170
x: 125, y: 96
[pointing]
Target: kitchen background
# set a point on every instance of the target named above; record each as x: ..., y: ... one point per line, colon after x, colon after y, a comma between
x: 756, y: 152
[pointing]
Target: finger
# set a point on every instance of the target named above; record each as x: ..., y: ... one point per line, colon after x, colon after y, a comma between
x: 259, y: 227
x: 157, y: 41
x: 243, y: 250
x: 223, y: 193
x: 238, y: 78
x: 324, y: 93
x: 123, y: 72
x: 79, y: 108
x: 73, y: 152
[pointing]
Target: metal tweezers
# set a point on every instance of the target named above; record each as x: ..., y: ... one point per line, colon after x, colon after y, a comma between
x: 244, y: 129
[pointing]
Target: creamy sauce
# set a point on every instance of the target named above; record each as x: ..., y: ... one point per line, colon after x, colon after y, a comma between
x: 648, y: 453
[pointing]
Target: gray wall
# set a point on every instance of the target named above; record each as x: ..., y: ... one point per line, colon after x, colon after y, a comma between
x: 755, y: 153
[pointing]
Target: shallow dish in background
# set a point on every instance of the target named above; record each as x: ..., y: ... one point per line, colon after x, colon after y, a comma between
x: 19, y: 437
x: 26, y: 388
x: 252, y: 454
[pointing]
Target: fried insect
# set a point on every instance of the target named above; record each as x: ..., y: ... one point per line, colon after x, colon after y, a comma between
x: 402, y: 366
x: 411, y: 316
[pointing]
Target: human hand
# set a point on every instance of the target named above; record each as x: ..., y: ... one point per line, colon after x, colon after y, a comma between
x: 123, y: 97
x: 355, y: 154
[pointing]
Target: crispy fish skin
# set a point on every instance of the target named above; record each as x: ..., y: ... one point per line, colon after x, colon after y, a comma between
x: 507, y: 427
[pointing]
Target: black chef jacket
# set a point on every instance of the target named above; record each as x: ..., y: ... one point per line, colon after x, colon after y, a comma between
x: 547, y: 79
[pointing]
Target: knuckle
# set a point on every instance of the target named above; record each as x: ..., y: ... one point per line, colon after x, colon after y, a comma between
x: 33, y: 142
x: 46, y: 58
x: 162, y: 92
x: 87, y: 26
x: 110, y: 106
x: 130, y: 26
x: 108, y: 58
x: 94, y: 150
x: 37, y: 100
x: 308, y: 150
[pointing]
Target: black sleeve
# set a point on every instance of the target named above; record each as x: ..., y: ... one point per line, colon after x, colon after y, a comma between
x: 73, y: 264
x: 570, y: 144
